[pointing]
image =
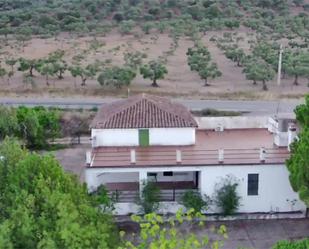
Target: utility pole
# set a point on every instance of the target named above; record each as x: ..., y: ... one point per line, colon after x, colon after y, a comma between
x: 279, y: 65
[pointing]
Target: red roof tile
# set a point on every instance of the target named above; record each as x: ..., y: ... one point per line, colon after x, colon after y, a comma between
x: 143, y: 111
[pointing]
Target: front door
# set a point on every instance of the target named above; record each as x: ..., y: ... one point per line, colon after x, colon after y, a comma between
x: 143, y: 136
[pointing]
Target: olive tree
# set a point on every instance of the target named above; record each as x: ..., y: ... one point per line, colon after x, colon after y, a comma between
x: 199, y: 60
x: 154, y: 71
x: 116, y: 76
x: 259, y: 70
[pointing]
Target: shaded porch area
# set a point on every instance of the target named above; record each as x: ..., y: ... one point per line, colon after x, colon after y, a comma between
x: 126, y: 187
x: 134, y: 186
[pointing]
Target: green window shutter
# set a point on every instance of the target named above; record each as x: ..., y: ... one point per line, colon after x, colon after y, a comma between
x: 143, y: 137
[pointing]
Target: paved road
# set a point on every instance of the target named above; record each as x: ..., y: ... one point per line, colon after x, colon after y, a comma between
x: 253, y: 107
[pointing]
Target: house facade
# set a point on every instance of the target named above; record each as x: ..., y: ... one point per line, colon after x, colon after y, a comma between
x: 149, y: 138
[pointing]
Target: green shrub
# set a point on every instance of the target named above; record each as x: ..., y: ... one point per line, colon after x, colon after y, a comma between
x: 226, y: 197
x: 193, y: 199
x: 149, y: 198
x: 302, y: 244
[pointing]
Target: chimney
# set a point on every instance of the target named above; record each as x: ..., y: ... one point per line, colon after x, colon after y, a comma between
x: 178, y: 156
x: 292, y: 135
x: 88, y: 158
x: 133, y: 156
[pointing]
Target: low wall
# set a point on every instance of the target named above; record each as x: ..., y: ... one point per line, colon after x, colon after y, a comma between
x: 232, y: 122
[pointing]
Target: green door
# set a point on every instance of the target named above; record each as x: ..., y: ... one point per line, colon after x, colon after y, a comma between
x: 143, y: 137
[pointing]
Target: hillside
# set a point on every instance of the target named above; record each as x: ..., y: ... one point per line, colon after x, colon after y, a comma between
x: 236, y: 43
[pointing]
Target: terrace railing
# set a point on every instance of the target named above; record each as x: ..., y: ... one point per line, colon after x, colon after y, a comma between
x: 166, y: 195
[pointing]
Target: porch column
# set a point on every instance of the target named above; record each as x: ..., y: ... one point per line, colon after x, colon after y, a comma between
x: 202, y: 182
x: 91, y: 179
x: 142, y: 179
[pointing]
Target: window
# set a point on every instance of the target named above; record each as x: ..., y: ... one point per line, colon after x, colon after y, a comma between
x: 168, y: 173
x: 143, y: 137
x: 253, y: 184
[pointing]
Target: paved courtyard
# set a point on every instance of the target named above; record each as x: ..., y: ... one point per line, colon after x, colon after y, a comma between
x: 73, y: 159
x: 249, y: 234
x: 262, y: 234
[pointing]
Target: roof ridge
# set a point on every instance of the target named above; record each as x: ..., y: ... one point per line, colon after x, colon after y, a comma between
x: 142, y: 107
x: 167, y: 111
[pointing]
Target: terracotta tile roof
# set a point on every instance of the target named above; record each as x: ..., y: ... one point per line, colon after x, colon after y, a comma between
x: 143, y: 111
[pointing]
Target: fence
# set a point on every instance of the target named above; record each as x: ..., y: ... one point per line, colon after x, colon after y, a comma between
x: 166, y: 195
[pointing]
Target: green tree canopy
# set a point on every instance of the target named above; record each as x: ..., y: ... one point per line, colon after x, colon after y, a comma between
x: 116, y: 76
x: 175, y: 232
x: 41, y: 206
x: 29, y: 65
x: 296, y: 64
x: 154, y: 70
x: 84, y: 72
x: 298, y: 163
x: 199, y: 60
x: 259, y: 70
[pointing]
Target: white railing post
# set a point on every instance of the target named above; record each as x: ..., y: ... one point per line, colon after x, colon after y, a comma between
x: 262, y: 154
x: 88, y: 158
x: 133, y: 156
x: 221, y: 155
x: 178, y: 156
x: 291, y: 136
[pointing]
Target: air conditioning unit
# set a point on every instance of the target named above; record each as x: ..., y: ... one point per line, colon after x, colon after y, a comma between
x: 219, y: 128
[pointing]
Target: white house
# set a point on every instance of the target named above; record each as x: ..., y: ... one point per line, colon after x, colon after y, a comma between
x: 147, y: 138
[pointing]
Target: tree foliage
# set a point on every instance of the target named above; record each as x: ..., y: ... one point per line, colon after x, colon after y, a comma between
x: 154, y: 70
x: 175, y: 233
x: 296, y: 64
x: 298, y: 163
x: 84, y: 72
x: 258, y: 70
x: 301, y: 244
x: 116, y: 76
x: 227, y: 197
x: 199, y: 60
x: 41, y: 206
x: 194, y: 200
x: 149, y: 198
x: 32, y: 125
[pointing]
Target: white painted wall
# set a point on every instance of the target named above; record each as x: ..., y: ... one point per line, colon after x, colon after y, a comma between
x: 274, y: 187
x: 172, y: 136
x: 129, y: 137
x: 275, y: 192
x: 232, y: 122
x: 114, y: 137
x: 117, y: 177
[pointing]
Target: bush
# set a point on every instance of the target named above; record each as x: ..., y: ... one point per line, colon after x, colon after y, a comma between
x: 194, y: 200
x: 227, y: 198
x: 302, y: 244
x: 149, y: 199
x: 101, y: 198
